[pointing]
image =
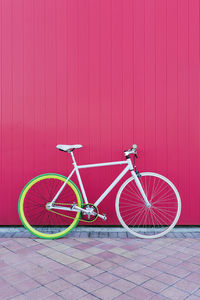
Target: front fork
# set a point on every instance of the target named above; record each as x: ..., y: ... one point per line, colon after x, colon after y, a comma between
x: 147, y: 203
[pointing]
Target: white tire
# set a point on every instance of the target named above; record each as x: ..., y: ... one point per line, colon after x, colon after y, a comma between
x: 137, y: 218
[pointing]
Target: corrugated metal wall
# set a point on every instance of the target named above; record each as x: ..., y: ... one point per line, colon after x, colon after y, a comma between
x: 105, y: 74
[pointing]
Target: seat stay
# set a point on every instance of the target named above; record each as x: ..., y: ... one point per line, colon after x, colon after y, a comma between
x: 61, y: 189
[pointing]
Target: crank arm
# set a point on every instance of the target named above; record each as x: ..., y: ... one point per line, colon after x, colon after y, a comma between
x: 84, y: 210
x: 77, y: 208
x: 102, y: 217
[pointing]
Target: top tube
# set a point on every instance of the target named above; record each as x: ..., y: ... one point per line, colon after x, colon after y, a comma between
x: 102, y: 164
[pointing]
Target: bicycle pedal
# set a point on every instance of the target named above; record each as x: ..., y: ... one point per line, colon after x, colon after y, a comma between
x: 103, y: 217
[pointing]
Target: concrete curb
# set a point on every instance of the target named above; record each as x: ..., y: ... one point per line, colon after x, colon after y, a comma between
x: 100, y: 232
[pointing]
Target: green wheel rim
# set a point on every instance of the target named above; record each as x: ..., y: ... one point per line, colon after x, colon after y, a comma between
x: 21, y: 210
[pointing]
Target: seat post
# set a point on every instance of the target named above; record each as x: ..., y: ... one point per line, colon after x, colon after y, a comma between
x: 73, y: 158
x: 79, y: 178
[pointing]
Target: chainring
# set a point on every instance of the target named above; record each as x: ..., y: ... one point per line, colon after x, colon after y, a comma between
x: 92, y: 213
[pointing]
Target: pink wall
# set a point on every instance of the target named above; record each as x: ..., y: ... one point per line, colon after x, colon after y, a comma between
x: 105, y: 74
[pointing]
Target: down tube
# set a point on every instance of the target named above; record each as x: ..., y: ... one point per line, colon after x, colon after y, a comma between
x: 112, y: 186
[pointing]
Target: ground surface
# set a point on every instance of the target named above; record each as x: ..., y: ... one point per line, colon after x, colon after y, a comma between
x: 100, y: 266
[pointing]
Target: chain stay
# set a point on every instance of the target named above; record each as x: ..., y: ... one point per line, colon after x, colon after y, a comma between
x: 55, y: 212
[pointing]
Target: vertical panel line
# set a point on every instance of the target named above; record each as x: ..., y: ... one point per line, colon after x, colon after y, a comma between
x: 178, y: 104
x: 56, y: 62
x: 23, y: 23
x: 144, y: 36
x: 34, y: 83
x: 78, y: 72
x: 111, y: 46
x: 12, y: 116
x: 1, y: 93
x: 133, y: 55
x: 100, y: 105
x: 155, y: 116
x: 122, y: 70
x: 89, y: 97
x: 166, y: 90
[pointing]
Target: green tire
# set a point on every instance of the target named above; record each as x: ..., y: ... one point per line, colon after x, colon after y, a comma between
x: 35, y: 216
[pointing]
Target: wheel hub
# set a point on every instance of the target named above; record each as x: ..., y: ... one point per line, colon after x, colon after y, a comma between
x: 48, y: 206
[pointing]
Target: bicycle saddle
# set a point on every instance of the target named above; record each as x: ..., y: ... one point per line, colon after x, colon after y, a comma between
x: 68, y: 147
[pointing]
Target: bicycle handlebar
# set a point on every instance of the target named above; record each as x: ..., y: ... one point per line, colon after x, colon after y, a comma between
x: 133, y: 150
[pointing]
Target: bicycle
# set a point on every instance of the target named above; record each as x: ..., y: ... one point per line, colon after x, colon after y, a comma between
x: 147, y: 204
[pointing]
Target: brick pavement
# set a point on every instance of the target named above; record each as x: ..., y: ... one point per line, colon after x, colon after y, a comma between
x: 78, y: 267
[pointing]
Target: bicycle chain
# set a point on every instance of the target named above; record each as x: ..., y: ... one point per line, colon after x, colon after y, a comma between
x: 64, y: 215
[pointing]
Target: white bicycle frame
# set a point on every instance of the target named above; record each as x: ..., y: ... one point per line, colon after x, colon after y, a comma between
x: 129, y: 167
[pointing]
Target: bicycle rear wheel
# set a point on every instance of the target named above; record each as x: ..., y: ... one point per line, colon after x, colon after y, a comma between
x: 36, y: 216
x: 137, y: 218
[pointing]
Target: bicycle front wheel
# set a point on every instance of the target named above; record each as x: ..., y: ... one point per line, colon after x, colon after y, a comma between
x: 156, y: 220
x: 34, y: 212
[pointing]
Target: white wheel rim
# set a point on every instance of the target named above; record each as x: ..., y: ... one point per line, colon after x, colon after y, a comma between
x: 175, y: 219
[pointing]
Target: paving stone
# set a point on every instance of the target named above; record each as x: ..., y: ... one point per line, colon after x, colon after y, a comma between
x: 27, y: 285
x: 174, y: 293
x: 150, y: 272
x: 179, y: 272
x: 39, y: 293
x: 8, y: 292
x: 93, y: 259
x: 106, y: 265
x: 140, y: 293
x: 194, y: 276
x: 106, y: 293
x: 187, y: 286
x: 90, y: 285
x: 122, y: 285
x: 72, y: 293
x: 75, y: 279
x: 121, y: 272
x: 137, y: 278
x: 92, y: 271
x: 167, y: 278
x: 106, y: 278
x: 154, y: 285
x: 58, y: 285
